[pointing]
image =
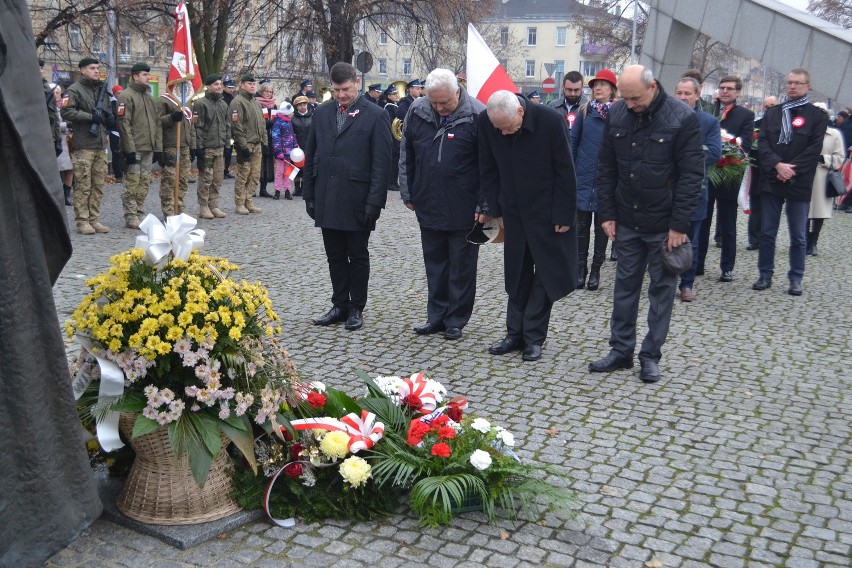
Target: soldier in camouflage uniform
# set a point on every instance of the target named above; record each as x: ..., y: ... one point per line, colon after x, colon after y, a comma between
x: 141, y: 141
x: 212, y: 134
x: 171, y: 114
x: 89, y: 153
x: 249, y: 131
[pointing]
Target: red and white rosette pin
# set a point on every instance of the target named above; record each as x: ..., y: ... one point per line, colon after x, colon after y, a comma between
x: 570, y: 117
x: 798, y: 122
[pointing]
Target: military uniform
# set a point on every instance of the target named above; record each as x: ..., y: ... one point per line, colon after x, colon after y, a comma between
x: 212, y: 134
x: 88, y: 154
x: 169, y: 109
x: 249, y: 131
x: 141, y: 137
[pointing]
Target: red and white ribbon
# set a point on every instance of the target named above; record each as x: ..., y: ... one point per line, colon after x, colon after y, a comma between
x: 416, y: 385
x: 363, y: 430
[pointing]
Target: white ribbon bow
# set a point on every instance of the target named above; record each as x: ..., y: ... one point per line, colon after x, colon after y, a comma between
x: 178, y: 236
x: 111, y: 389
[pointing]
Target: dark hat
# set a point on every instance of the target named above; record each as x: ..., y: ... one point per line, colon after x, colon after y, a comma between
x: 306, y: 83
x: 230, y: 84
x: 86, y: 61
x: 40, y: 62
x: 483, y: 233
x: 212, y: 79
x: 535, y: 95
x: 139, y: 67
x: 375, y: 87
x: 248, y: 77
x: 678, y: 260
x: 414, y: 83
x: 391, y: 90
x: 311, y: 95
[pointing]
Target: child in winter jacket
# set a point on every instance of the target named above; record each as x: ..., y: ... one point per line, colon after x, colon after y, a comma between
x: 283, y: 142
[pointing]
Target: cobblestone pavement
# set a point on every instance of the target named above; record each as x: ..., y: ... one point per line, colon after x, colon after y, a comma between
x: 740, y: 456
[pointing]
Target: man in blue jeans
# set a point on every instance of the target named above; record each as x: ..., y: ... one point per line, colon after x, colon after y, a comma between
x: 789, y: 145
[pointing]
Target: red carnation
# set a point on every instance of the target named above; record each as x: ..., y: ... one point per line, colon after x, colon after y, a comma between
x: 293, y: 470
x: 439, y: 421
x: 316, y: 400
x: 295, y: 450
x: 416, y: 431
x: 413, y: 402
x: 455, y: 413
x: 441, y: 450
x: 285, y: 433
x: 446, y: 432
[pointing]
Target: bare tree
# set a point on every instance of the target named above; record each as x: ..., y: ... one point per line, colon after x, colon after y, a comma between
x: 836, y: 11
x: 608, y: 25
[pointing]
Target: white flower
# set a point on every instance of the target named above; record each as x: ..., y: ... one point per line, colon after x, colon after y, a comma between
x: 481, y: 424
x: 480, y: 459
x: 506, y: 437
x: 224, y: 411
x: 318, y: 386
x: 355, y: 471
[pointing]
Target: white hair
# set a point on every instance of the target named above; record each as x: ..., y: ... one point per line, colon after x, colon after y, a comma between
x: 440, y: 79
x: 504, y: 103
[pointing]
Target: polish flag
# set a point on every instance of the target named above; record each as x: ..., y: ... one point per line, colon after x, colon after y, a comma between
x: 184, y: 68
x: 290, y: 170
x: 485, y: 75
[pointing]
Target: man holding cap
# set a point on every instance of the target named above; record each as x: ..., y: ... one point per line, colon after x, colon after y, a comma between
x: 89, y: 159
x: 212, y: 135
x: 374, y: 91
x: 249, y: 131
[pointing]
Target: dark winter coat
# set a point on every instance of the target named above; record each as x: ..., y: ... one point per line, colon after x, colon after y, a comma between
x: 711, y: 135
x: 301, y: 125
x: 809, y: 125
x: 651, y: 166
x: 528, y: 179
x: 345, y: 171
x: 404, y: 104
x: 586, y: 139
x: 439, y: 166
x: 738, y: 122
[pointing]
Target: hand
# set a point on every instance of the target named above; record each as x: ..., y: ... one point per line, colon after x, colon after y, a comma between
x: 177, y: 116
x: 371, y: 214
x: 785, y: 171
x: 409, y: 206
x: 130, y: 158
x: 675, y: 239
x: 481, y: 218
x: 561, y: 228
x: 279, y: 156
x: 191, y: 155
x: 309, y: 207
x: 609, y: 229
x: 199, y: 155
x: 244, y: 153
x: 169, y: 159
x: 96, y: 118
x: 57, y: 146
x: 160, y: 158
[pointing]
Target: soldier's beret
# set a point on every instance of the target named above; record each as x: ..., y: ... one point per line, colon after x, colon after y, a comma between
x: 139, y: 67
x: 86, y: 61
x: 248, y: 77
x: 212, y: 79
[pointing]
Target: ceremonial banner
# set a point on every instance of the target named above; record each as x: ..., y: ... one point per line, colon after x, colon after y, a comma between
x: 184, y: 68
x: 485, y: 75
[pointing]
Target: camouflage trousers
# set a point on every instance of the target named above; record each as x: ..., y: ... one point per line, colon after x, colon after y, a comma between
x: 167, y: 181
x: 210, y: 178
x: 90, y: 171
x: 137, y: 181
x: 248, y: 176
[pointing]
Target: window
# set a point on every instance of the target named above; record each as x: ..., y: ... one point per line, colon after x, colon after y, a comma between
x: 406, y: 37
x: 152, y: 48
x: 383, y: 37
x: 383, y: 66
x: 561, y: 35
x: 504, y: 37
x: 125, y: 43
x: 531, y: 36
x: 530, y: 68
x: 590, y: 68
x: 75, y: 38
x: 261, y: 62
x: 560, y: 66
x: 406, y: 66
x: 97, y: 45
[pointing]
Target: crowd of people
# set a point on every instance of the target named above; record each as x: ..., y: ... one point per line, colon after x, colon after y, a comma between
x: 628, y: 165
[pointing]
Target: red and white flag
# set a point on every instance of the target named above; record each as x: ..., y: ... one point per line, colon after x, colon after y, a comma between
x: 485, y: 75
x: 290, y: 170
x: 184, y: 69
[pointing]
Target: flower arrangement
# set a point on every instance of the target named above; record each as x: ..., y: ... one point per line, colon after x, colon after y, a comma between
x: 399, y: 440
x: 182, y: 343
x: 729, y: 170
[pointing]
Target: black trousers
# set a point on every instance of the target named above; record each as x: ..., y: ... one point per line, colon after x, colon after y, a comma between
x: 726, y: 229
x: 528, y: 310
x: 450, y: 276
x: 393, y: 182
x: 754, y: 219
x: 349, y: 266
x: 584, y: 224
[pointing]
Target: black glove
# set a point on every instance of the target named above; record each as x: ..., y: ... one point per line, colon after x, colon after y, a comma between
x: 371, y: 215
x: 199, y: 155
x: 169, y: 159
x: 245, y: 153
x: 58, y: 147
x: 96, y: 118
x: 191, y: 155
x: 309, y: 207
x: 160, y: 158
x: 109, y: 120
x: 130, y: 158
x: 177, y: 116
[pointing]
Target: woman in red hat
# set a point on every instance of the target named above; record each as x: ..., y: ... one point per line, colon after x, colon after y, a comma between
x: 586, y: 137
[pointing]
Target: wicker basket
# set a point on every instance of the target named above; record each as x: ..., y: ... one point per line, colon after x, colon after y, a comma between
x: 160, y: 489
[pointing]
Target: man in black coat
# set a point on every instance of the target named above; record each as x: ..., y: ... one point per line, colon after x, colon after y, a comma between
x: 439, y: 181
x: 347, y: 164
x: 527, y: 175
x: 789, y: 145
x: 738, y: 122
x: 650, y: 172
x: 413, y: 91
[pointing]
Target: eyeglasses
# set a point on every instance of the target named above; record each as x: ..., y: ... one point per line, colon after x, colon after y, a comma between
x: 797, y: 83
x: 728, y: 89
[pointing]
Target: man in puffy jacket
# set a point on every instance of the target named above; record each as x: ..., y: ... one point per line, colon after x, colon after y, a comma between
x: 649, y: 182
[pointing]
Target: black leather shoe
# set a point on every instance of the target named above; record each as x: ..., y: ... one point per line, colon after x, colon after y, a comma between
x: 795, y: 288
x: 334, y: 315
x: 762, y: 283
x: 507, y: 345
x: 699, y: 271
x: 812, y: 251
x: 649, y: 371
x: 752, y: 247
x: 453, y: 333
x: 594, y: 279
x: 531, y: 353
x: 612, y: 362
x: 355, y: 320
x: 428, y: 328
x: 727, y: 276
x: 718, y: 244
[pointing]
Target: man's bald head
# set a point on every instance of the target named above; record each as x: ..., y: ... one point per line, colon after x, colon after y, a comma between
x: 770, y: 102
x: 638, y: 87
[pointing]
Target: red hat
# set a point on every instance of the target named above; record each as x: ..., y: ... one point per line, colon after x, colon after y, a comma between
x: 117, y: 89
x: 605, y: 75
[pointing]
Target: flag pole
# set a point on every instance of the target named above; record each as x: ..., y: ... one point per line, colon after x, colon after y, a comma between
x: 176, y: 208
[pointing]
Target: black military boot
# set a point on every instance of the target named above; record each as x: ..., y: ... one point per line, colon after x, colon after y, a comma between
x: 67, y: 191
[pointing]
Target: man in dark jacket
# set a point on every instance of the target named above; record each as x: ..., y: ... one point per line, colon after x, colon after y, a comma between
x: 649, y: 183
x: 789, y: 144
x: 572, y: 97
x: 528, y: 178
x: 346, y: 172
x: 414, y: 90
x: 439, y: 181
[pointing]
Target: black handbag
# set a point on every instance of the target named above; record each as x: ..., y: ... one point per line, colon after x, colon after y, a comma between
x: 834, y: 184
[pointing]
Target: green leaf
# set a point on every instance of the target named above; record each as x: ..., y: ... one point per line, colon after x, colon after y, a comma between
x: 242, y: 438
x: 387, y: 412
x: 342, y: 402
x: 185, y: 437
x: 372, y: 387
x: 143, y: 426
x: 208, y: 427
